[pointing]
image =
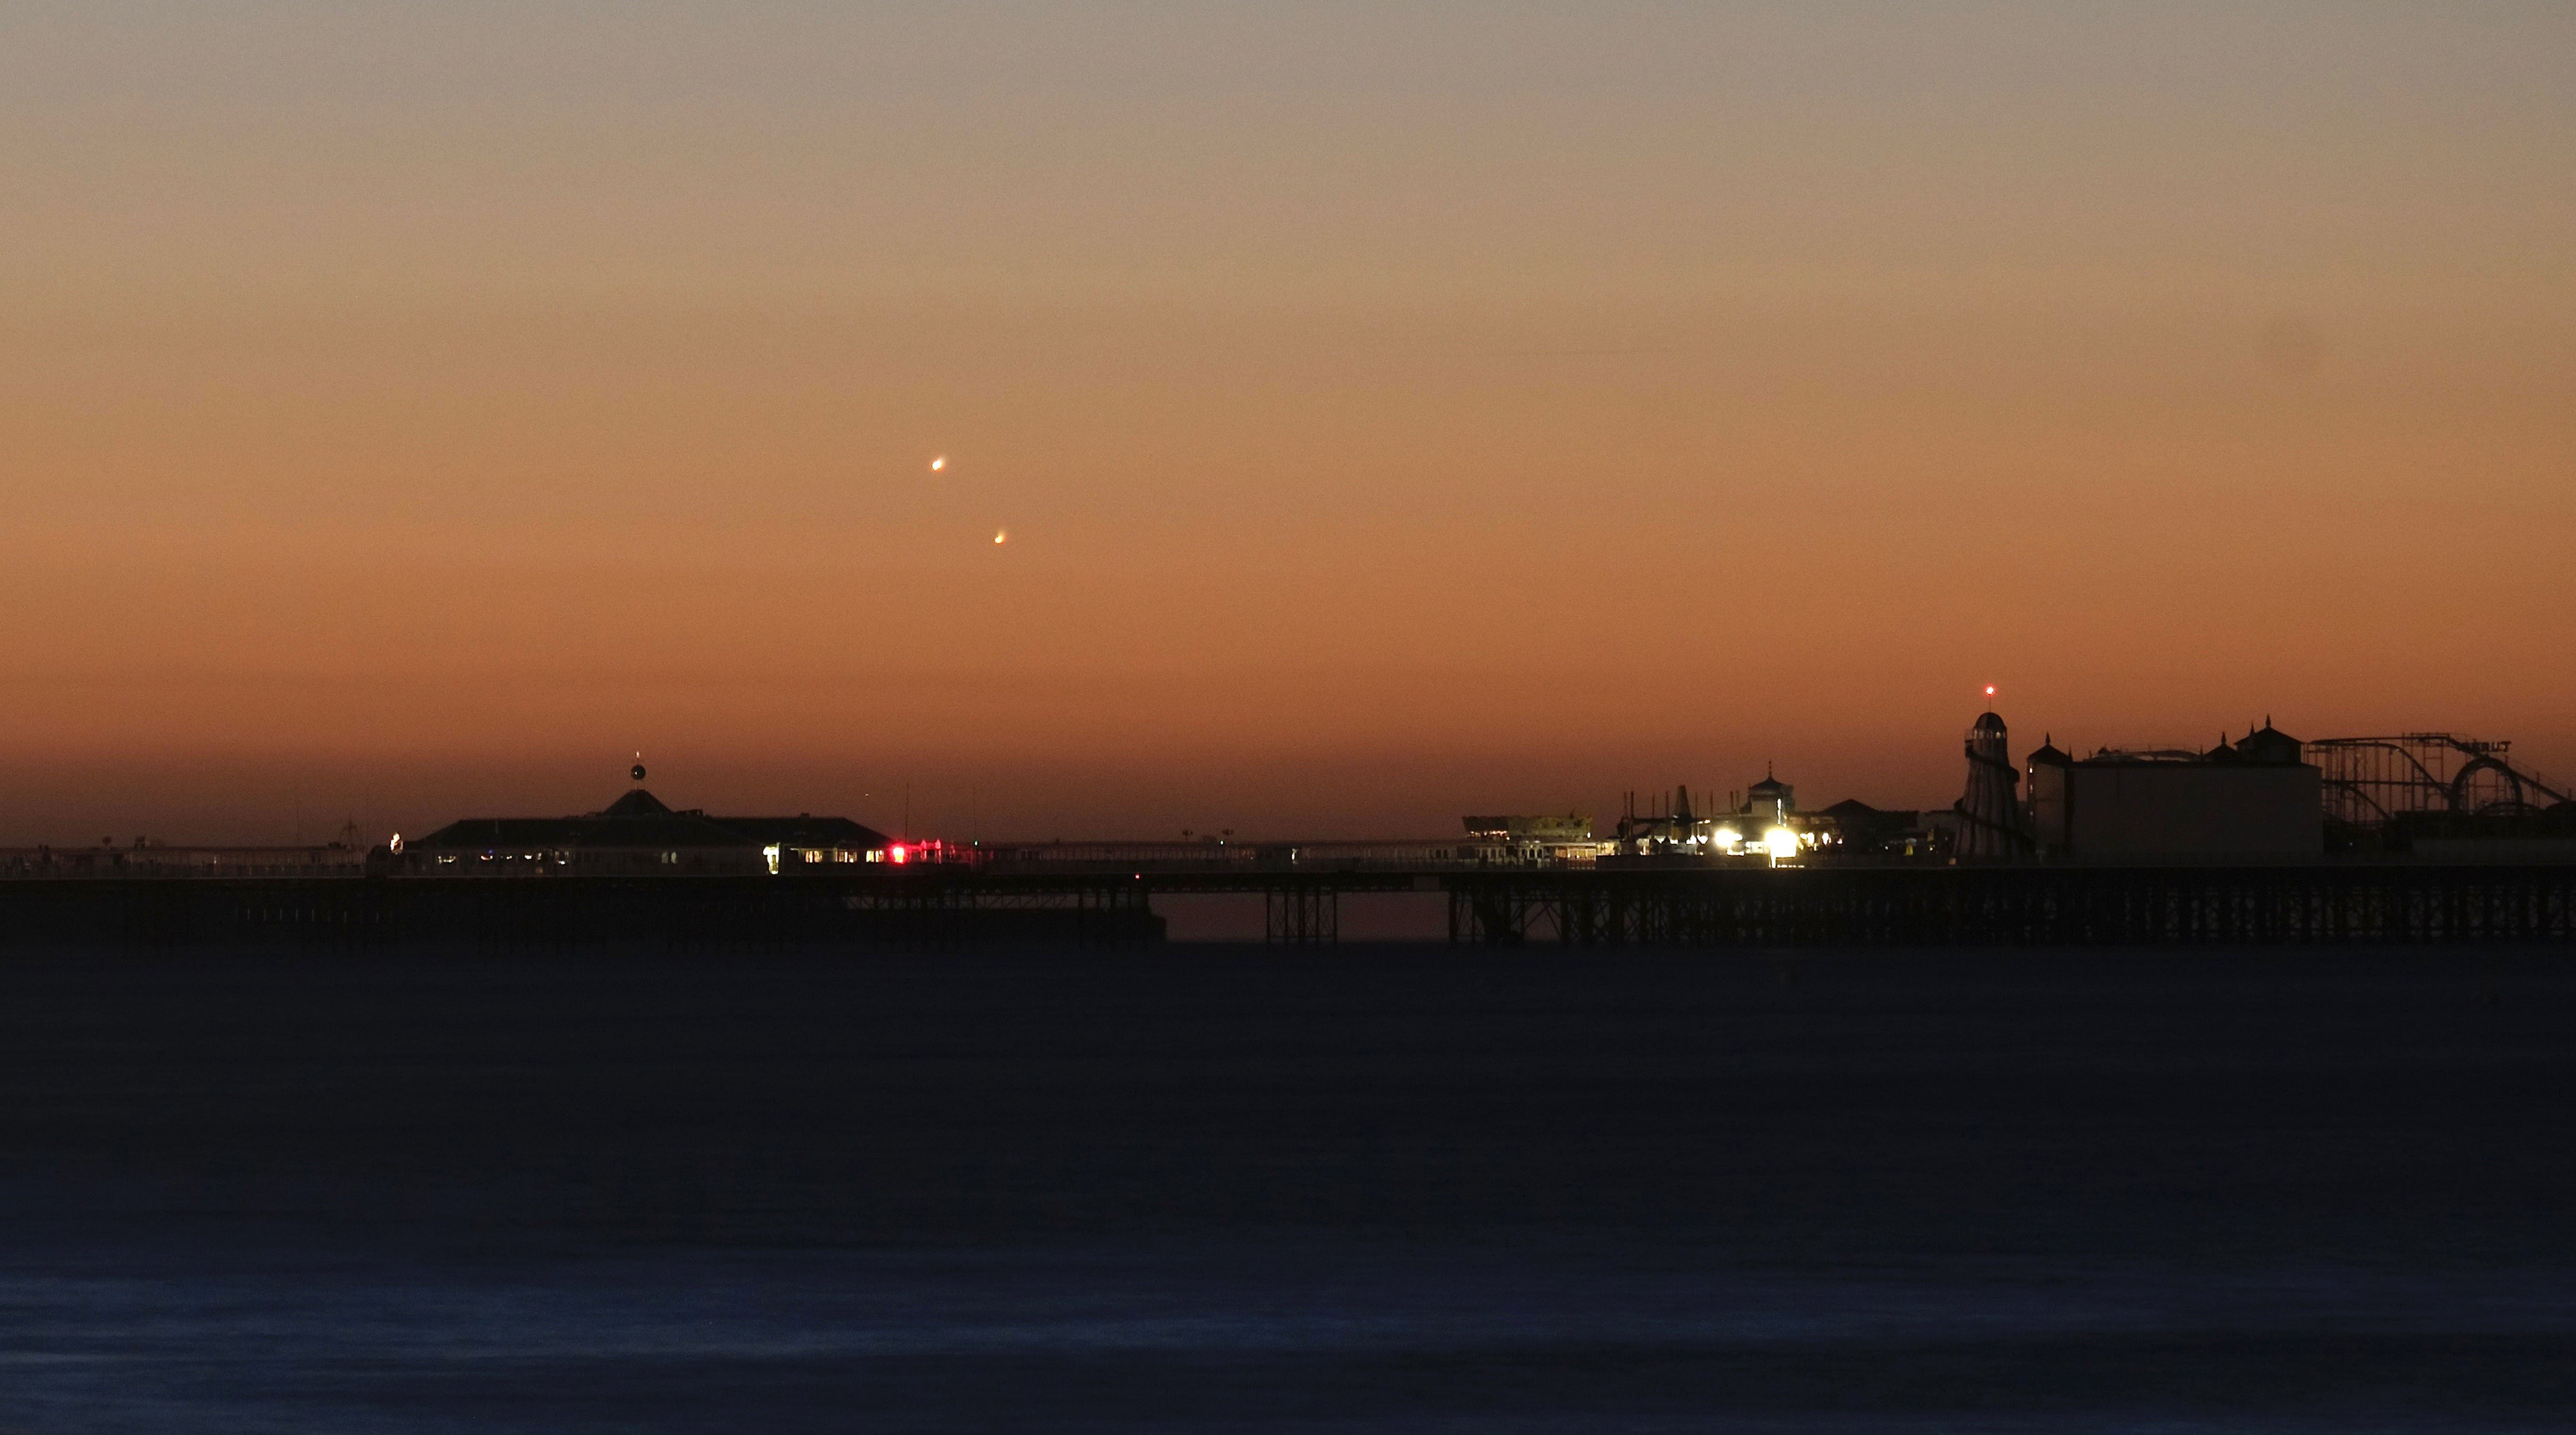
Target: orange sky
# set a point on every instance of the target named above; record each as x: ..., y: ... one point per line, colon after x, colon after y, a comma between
x: 416, y: 410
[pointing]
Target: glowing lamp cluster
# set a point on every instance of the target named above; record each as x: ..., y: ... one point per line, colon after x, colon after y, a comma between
x: 1779, y: 844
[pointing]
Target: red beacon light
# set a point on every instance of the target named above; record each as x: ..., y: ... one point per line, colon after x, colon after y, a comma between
x: 928, y: 849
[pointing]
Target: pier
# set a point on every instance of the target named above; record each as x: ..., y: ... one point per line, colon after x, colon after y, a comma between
x: 1100, y: 904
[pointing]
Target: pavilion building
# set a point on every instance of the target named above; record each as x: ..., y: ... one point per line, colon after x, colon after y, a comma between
x: 637, y: 835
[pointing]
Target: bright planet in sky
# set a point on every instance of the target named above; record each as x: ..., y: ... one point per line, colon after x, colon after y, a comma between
x: 939, y: 463
x: 1001, y: 535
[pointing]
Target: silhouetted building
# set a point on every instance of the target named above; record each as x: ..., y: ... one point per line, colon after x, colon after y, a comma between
x: 1769, y: 823
x: 1547, y: 838
x: 1572, y: 827
x: 2254, y: 799
x: 636, y: 836
x: 1768, y: 803
x: 1860, y: 830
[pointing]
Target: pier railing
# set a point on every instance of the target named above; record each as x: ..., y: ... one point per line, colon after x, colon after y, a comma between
x: 143, y: 861
x: 2320, y: 903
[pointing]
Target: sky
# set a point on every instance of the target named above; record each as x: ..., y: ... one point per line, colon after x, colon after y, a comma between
x: 410, y: 411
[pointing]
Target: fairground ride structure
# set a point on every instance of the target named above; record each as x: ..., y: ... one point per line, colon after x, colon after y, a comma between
x: 2376, y: 781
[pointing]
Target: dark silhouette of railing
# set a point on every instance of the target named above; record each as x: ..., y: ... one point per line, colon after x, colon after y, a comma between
x: 1926, y: 906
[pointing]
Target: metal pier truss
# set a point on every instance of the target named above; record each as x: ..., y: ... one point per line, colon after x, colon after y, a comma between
x: 931, y: 907
x: 1302, y: 915
x: 1988, y: 906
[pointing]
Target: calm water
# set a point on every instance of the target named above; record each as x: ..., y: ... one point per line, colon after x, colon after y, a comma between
x: 1226, y: 1189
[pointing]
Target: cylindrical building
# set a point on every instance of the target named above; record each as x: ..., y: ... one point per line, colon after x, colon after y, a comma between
x: 1990, y: 828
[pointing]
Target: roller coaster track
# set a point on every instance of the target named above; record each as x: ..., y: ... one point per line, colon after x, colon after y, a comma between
x: 2377, y: 779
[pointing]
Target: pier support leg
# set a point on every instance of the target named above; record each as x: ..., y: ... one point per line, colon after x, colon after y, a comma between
x: 1303, y: 916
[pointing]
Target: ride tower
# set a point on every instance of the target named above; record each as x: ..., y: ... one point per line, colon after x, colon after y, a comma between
x: 1990, y: 825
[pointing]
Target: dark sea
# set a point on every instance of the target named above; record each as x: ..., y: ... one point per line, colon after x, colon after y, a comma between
x: 1236, y: 1189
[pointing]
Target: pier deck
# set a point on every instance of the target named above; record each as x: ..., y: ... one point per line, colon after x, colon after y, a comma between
x: 1603, y: 907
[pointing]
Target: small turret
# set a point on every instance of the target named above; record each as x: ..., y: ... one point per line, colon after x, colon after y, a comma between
x: 2271, y: 746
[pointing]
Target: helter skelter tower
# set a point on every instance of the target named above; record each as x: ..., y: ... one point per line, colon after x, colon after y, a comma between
x: 1990, y: 827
